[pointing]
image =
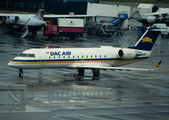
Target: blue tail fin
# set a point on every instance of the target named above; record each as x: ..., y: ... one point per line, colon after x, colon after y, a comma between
x: 147, y: 40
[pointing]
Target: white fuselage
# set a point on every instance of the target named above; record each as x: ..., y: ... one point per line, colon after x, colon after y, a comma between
x: 18, y: 23
x: 106, y: 56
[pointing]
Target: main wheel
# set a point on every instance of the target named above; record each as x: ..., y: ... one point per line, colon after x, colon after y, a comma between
x: 50, y: 36
x: 96, y: 74
x: 72, y: 37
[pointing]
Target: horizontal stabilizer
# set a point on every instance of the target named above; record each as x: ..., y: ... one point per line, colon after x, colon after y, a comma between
x: 157, y: 14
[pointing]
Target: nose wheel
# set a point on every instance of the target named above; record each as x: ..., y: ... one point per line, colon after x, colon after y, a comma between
x: 20, y: 72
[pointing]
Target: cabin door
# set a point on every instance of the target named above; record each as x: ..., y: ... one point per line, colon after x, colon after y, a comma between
x: 43, y: 57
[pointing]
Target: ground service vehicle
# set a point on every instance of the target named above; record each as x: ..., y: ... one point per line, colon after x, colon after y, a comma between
x: 107, y: 28
x: 65, y: 28
x: 165, y: 29
x: 163, y: 26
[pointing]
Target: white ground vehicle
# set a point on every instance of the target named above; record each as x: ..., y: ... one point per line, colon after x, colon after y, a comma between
x: 165, y: 29
x: 163, y: 26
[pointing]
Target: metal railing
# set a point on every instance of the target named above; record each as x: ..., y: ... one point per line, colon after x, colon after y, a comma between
x: 19, y: 6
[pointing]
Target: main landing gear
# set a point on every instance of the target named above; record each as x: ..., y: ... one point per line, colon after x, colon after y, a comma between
x: 80, y: 75
x: 20, y: 72
x: 95, y: 72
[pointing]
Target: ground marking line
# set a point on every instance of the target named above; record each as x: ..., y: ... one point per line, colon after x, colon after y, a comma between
x: 92, y: 117
x: 118, y: 102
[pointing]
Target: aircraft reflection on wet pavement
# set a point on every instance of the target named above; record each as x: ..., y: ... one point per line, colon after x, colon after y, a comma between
x: 96, y: 59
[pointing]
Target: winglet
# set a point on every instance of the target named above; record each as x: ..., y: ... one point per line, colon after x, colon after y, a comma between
x: 158, y: 65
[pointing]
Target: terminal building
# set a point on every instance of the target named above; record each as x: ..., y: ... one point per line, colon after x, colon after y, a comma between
x: 50, y: 6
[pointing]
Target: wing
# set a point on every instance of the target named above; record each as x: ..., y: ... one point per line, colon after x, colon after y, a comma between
x: 63, y: 16
x: 118, y: 68
x: 15, y: 15
x: 157, y: 14
x: 45, y: 16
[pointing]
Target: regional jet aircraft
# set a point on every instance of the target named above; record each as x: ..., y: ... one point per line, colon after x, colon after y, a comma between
x: 24, y: 22
x: 96, y: 59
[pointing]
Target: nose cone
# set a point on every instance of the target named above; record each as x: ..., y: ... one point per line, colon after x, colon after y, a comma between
x: 13, y: 63
x: 41, y: 23
x: 36, y: 22
x: 10, y: 64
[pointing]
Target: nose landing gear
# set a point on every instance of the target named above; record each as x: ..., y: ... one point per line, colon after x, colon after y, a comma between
x: 20, y: 72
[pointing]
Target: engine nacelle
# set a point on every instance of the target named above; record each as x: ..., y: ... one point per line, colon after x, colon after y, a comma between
x: 151, y: 19
x: 128, y: 54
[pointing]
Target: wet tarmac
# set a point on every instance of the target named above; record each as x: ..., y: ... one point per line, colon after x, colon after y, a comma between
x: 118, y: 95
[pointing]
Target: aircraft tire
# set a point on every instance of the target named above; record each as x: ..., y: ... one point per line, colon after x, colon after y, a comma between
x: 96, y: 74
x: 50, y: 36
x: 101, y: 34
x: 72, y: 37
x: 81, y: 72
x: 20, y: 72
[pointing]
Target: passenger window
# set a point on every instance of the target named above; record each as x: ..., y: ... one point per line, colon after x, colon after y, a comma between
x: 73, y: 56
x: 100, y: 56
x: 78, y: 56
x: 63, y: 56
x: 91, y: 56
x: 95, y: 56
x: 86, y: 56
x: 68, y: 56
x: 105, y: 56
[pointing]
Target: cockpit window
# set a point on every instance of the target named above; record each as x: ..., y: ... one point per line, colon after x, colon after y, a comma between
x: 26, y: 55
x: 31, y: 55
x: 22, y: 55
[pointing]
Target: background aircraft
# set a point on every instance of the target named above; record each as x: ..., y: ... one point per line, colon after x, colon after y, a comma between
x: 158, y: 15
x: 96, y: 59
x: 23, y: 23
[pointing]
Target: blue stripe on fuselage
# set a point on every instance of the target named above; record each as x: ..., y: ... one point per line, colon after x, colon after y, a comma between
x: 69, y: 60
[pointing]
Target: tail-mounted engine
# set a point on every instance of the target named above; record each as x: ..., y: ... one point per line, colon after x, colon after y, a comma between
x: 128, y: 53
x: 152, y: 19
